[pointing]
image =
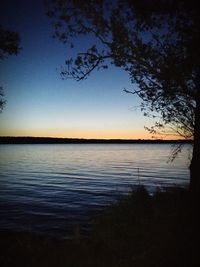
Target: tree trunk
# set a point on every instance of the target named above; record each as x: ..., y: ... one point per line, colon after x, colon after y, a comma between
x: 195, y: 163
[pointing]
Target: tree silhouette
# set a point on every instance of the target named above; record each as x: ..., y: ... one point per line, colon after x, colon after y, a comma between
x: 9, y: 45
x: 156, y: 42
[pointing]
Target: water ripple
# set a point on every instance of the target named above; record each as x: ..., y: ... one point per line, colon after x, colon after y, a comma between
x: 48, y: 188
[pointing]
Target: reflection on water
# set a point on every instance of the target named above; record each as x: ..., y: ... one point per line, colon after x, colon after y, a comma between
x: 49, y: 188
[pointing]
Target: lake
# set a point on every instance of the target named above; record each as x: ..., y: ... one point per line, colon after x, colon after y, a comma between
x: 47, y: 189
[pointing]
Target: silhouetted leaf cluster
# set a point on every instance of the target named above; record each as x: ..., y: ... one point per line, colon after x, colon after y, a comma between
x: 9, y: 45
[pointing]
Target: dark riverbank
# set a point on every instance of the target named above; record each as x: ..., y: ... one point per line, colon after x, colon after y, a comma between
x: 52, y: 140
x: 138, y: 230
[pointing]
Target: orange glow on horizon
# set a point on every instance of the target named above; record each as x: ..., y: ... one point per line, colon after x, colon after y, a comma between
x: 86, y: 134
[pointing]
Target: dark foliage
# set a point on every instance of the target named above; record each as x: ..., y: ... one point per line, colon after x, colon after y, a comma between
x: 139, y: 230
x: 156, y: 42
x: 9, y: 45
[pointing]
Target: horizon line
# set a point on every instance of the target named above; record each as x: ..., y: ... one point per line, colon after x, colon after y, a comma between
x: 71, y: 139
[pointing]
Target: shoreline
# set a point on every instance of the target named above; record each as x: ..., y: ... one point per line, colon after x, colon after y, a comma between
x: 53, y: 140
x: 139, y: 230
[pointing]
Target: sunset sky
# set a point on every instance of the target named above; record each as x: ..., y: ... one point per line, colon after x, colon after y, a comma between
x: 40, y: 103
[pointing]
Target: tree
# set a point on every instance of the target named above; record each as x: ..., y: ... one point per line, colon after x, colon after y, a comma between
x: 155, y: 41
x: 9, y: 45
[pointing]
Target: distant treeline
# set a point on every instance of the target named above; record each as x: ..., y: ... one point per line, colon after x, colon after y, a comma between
x: 52, y: 140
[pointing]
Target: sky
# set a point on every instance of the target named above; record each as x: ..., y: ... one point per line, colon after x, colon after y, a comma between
x: 40, y: 103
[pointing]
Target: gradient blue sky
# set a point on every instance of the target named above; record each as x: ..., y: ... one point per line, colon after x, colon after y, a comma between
x: 39, y: 103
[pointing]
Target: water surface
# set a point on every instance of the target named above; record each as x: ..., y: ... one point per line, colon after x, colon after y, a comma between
x: 47, y: 189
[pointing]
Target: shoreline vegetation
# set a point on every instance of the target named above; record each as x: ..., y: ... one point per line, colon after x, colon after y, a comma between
x: 54, y: 140
x: 138, y: 230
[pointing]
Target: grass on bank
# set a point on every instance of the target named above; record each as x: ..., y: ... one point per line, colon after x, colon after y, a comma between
x: 138, y: 230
